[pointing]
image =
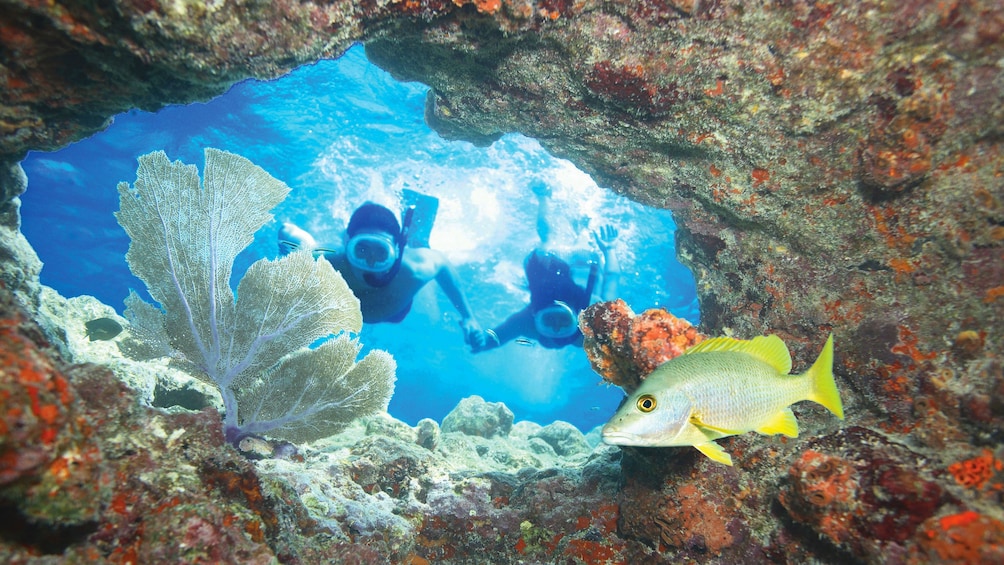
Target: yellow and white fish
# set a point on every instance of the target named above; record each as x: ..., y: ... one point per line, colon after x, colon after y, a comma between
x: 722, y: 387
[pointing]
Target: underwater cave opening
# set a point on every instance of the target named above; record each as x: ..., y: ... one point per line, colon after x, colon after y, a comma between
x: 341, y: 132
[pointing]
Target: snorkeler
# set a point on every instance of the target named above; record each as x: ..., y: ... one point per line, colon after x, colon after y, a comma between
x: 551, y: 318
x: 382, y: 270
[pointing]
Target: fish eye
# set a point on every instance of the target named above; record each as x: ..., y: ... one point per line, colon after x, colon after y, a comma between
x: 646, y: 403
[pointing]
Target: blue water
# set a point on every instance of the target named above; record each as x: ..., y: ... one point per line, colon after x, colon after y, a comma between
x: 341, y: 132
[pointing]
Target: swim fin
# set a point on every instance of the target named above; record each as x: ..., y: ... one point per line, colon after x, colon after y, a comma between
x: 426, y: 207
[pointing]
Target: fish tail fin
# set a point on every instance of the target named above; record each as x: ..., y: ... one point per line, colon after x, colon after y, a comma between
x: 824, y: 387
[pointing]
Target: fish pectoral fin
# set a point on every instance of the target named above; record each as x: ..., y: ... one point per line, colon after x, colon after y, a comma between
x: 696, y: 420
x: 714, y: 452
x: 783, y: 422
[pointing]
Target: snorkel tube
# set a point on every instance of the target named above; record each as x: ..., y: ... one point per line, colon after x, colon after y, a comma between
x: 384, y: 279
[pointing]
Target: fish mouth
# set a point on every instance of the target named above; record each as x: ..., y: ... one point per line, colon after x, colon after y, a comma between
x: 614, y: 437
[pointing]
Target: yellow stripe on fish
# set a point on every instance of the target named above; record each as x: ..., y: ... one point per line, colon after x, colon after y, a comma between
x: 722, y: 387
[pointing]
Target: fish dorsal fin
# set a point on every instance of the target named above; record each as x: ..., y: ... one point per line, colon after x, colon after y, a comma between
x: 767, y: 348
x: 783, y: 422
x: 714, y: 452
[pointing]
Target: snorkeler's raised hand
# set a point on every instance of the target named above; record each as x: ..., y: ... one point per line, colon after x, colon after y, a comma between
x: 540, y: 188
x: 605, y: 237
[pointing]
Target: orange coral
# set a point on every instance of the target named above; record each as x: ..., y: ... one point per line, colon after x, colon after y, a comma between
x: 824, y: 492
x: 623, y: 347
x: 887, y: 221
x: 658, y: 336
x: 975, y: 472
x: 901, y: 267
x: 717, y: 90
x: 483, y: 6
x: 596, y: 552
x: 993, y: 294
x: 907, y: 345
x: 966, y: 537
x: 895, y: 155
x: 606, y: 326
x: 604, y: 518
x: 690, y: 516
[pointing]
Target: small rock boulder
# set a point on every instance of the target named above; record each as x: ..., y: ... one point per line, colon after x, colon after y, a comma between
x: 427, y: 433
x: 475, y: 417
x: 564, y: 438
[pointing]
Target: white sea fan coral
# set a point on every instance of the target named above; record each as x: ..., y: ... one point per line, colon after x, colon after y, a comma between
x: 254, y: 347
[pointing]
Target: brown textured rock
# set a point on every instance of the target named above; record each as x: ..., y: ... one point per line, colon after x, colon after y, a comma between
x: 90, y: 473
x: 49, y: 462
x: 832, y: 167
x: 861, y: 492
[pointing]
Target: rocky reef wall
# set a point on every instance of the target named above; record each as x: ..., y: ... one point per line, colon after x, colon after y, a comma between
x: 833, y: 167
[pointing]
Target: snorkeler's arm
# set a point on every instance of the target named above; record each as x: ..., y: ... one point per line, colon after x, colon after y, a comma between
x: 605, y: 238
x: 519, y: 324
x: 447, y: 278
x: 544, y: 227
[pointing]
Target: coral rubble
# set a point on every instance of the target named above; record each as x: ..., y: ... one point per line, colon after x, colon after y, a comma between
x: 99, y: 477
